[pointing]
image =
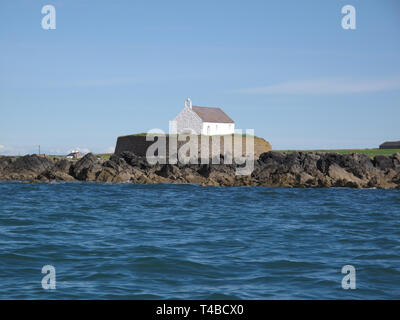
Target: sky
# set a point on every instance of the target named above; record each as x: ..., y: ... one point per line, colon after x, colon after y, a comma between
x: 286, y: 69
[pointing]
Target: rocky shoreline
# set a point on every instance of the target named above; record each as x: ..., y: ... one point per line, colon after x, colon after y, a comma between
x: 272, y: 169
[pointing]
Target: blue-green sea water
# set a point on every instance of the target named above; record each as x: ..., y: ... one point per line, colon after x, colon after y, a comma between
x: 189, y: 242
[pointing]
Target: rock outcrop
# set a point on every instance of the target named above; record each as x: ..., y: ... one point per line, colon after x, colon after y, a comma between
x: 272, y: 169
x: 23, y: 168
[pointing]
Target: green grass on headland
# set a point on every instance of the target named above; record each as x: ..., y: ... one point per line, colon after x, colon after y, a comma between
x: 370, y: 152
x: 104, y: 156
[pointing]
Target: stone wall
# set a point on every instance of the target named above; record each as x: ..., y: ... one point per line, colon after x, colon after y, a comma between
x: 188, y: 119
x: 138, y: 144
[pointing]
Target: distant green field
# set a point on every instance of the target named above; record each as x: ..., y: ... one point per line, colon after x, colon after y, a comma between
x: 104, y: 156
x: 370, y: 152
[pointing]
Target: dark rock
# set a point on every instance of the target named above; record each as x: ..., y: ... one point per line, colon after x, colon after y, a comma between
x: 204, y: 170
x: 298, y: 169
x: 63, y: 165
x: 272, y: 156
x: 54, y: 174
x: 134, y: 160
x: 106, y: 175
x: 310, y: 163
x: 5, y: 161
x: 32, y: 163
x: 118, y: 160
x: 168, y: 171
x: 24, y: 168
x: 111, y: 164
x: 87, y: 168
x: 396, y: 161
x: 383, y: 162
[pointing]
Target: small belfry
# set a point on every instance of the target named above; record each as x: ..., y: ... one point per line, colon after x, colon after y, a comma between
x: 188, y: 103
x: 203, y: 120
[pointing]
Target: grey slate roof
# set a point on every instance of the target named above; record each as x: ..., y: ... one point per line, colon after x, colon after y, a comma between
x: 208, y: 114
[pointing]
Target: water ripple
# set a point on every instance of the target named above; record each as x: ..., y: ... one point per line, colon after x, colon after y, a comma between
x: 190, y: 242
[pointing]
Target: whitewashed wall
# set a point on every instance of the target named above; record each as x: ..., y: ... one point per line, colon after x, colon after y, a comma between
x: 217, y: 128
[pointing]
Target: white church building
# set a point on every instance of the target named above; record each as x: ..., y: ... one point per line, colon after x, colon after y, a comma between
x: 202, y: 120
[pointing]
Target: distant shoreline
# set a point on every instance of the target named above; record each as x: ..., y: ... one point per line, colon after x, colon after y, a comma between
x: 370, y: 152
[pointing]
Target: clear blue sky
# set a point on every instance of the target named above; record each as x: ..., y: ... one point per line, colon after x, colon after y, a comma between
x: 284, y: 68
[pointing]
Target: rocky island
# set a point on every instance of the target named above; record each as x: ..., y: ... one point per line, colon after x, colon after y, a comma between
x: 271, y: 169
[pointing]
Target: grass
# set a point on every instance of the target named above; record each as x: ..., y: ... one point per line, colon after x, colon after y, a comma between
x: 370, y: 152
x: 104, y: 156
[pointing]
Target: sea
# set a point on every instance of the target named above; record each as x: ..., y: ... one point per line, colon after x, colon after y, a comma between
x: 169, y: 241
